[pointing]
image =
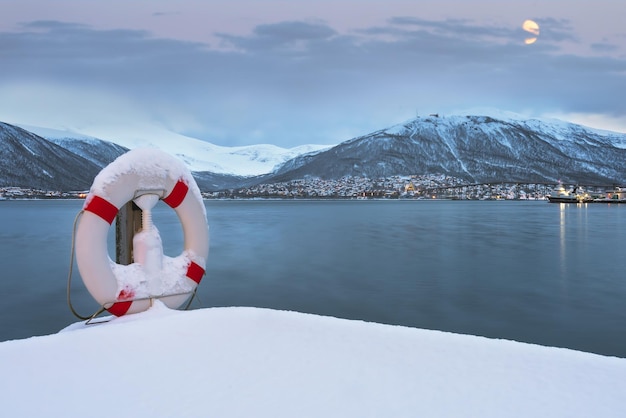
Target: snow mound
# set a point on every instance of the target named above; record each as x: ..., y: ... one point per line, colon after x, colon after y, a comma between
x: 234, y: 362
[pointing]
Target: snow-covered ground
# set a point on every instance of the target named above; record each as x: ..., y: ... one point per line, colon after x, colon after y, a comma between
x: 251, y: 362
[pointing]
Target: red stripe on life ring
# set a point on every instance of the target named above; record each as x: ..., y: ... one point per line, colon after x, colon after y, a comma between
x: 120, y: 308
x: 103, y: 208
x: 195, y: 272
x: 177, y: 195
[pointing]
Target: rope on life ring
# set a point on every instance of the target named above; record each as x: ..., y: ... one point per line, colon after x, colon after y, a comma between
x: 143, y: 176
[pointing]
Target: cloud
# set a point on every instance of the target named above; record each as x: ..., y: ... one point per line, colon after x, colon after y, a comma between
x: 288, y: 35
x: 557, y: 30
x: 296, y: 82
x: 161, y: 14
x: 454, y: 27
x: 604, y: 47
x: 289, y: 31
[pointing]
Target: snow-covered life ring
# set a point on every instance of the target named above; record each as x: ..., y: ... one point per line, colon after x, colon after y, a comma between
x: 129, y: 289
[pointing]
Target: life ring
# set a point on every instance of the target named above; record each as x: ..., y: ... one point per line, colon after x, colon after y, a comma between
x: 135, y: 173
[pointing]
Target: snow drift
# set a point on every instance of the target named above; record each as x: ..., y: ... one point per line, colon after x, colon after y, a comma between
x: 234, y: 362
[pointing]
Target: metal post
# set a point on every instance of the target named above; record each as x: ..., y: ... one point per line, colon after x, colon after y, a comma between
x: 127, y: 223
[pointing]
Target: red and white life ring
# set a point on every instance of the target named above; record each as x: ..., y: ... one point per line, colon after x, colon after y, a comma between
x: 138, y: 172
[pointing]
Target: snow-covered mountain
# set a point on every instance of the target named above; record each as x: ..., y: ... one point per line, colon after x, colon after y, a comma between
x: 200, y: 156
x: 29, y: 161
x: 93, y: 149
x: 475, y: 148
x: 480, y: 149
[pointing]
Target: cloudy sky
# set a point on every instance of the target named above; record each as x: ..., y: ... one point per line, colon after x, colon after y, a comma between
x: 292, y: 72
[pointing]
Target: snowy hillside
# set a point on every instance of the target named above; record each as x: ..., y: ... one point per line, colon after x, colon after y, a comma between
x: 562, y: 129
x: 198, y: 155
x: 476, y: 148
x: 27, y: 160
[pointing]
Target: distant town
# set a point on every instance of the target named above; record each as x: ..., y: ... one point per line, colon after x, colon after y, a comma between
x: 394, y: 187
x: 400, y: 187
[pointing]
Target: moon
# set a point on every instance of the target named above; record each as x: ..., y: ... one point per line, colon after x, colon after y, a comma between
x: 531, y: 27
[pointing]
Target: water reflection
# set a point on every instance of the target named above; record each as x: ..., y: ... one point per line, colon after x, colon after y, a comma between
x: 573, y: 231
x: 562, y: 246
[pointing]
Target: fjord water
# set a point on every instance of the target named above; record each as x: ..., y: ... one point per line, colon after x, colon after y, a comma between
x: 528, y: 271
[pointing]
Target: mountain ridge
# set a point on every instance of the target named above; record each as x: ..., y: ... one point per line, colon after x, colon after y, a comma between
x: 476, y: 148
x: 27, y: 160
x: 238, y: 161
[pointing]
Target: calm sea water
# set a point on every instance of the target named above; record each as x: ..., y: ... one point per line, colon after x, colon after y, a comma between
x: 528, y: 271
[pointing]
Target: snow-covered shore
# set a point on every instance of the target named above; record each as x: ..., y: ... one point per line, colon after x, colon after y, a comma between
x: 243, y: 362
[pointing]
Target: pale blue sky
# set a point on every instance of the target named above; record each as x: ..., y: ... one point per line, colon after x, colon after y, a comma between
x: 236, y: 72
